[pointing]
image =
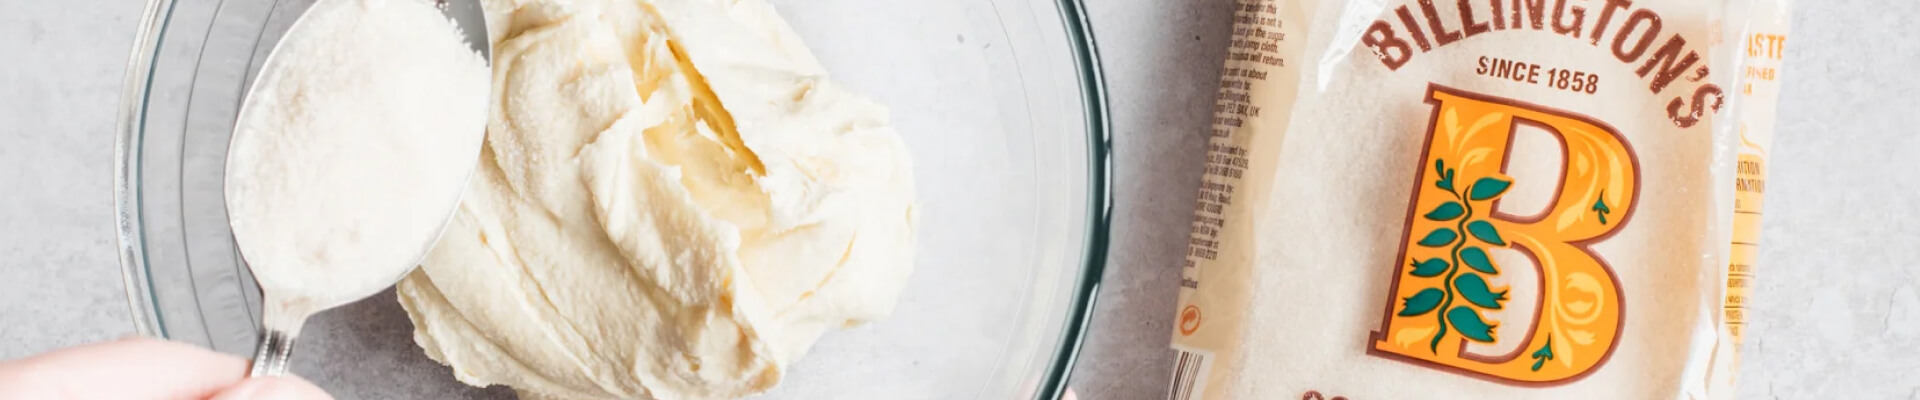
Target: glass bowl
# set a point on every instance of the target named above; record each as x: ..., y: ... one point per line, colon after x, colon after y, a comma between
x: 1000, y: 102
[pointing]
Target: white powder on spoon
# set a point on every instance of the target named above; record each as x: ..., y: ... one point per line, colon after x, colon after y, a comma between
x: 352, y: 150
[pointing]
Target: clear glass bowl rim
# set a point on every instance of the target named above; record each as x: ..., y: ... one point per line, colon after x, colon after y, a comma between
x: 131, y: 123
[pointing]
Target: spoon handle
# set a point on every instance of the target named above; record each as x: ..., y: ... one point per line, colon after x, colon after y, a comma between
x: 271, y: 356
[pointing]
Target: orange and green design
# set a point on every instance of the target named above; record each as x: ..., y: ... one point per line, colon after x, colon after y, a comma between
x: 1451, y: 291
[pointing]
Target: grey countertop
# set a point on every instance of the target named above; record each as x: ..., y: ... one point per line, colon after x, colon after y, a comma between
x: 1837, y: 313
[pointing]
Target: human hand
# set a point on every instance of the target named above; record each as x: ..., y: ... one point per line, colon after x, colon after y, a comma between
x: 144, y: 369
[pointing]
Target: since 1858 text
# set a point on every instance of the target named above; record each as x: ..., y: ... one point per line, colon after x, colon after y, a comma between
x: 1533, y: 73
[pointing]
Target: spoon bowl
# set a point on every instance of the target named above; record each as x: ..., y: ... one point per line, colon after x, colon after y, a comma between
x: 472, y: 21
x: 285, y: 317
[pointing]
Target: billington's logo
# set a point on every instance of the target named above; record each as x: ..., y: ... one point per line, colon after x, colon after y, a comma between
x: 1449, y: 308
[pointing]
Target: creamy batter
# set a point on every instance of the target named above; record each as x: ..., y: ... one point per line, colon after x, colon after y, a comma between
x: 673, y: 201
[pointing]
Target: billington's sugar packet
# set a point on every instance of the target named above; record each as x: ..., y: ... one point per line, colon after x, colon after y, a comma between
x: 1480, y: 199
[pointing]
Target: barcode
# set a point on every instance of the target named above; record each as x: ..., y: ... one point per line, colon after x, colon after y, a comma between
x: 1189, y: 375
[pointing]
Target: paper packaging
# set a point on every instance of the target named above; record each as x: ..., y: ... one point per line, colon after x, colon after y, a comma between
x: 1480, y: 199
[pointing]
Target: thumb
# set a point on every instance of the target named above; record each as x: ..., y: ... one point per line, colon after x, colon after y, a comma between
x: 272, y: 388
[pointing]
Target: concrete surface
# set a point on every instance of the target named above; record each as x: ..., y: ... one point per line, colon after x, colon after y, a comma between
x: 1837, y: 312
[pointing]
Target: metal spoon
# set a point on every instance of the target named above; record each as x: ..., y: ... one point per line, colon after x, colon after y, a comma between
x: 275, y: 348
